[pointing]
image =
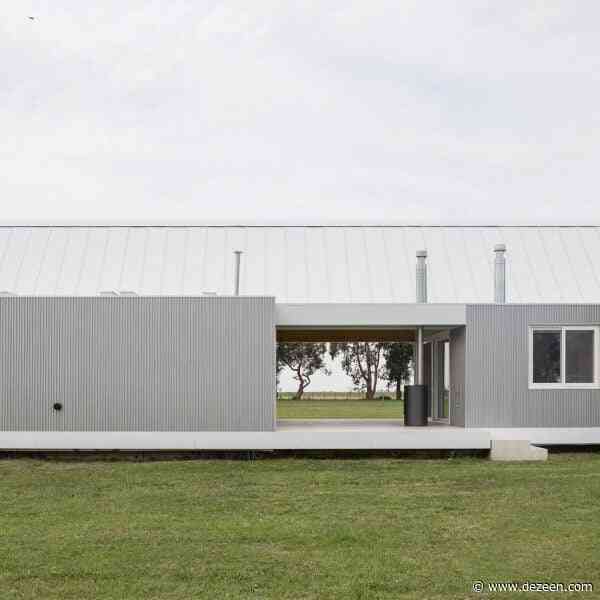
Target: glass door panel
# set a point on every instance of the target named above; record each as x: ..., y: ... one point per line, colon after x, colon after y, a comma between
x: 441, y: 389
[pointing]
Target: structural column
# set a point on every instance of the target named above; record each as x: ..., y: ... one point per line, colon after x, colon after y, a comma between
x: 419, y: 357
x: 415, y: 396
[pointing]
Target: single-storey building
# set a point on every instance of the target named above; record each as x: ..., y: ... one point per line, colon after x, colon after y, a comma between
x: 150, y: 337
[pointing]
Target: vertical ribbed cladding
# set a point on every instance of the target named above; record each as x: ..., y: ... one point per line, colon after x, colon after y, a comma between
x: 137, y: 363
x: 457, y: 376
x: 497, y: 369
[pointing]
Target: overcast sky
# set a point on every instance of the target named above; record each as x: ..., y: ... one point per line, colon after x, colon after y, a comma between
x: 298, y: 111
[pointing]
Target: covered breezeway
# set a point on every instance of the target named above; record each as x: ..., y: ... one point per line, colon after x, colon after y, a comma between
x: 427, y: 327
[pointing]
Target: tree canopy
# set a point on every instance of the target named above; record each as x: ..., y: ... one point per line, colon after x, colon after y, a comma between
x: 363, y: 362
x: 303, y: 359
x: 366, y: 363
x: 398, y: 363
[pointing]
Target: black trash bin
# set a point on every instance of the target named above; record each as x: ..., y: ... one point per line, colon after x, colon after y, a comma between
x: 415, y: 405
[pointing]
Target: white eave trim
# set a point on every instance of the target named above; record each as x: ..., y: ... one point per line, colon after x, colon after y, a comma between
x: 369, y: 315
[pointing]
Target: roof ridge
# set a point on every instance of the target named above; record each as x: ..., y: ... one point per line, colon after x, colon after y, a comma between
x: 109, y: 224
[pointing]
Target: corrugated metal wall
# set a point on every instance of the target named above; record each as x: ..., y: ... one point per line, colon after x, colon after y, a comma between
x: 137, y: 364
x: 498, y: 393
x: 457, y: 377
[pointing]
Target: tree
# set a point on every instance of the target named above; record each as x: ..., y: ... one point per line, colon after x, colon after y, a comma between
x: 398, y: 363
x: 304, y: 360
x: 363, y: 362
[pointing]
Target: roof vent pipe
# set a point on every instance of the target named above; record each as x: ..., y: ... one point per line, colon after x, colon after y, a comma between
x: 421, y: 276
x: 238, y: 257
x: 500, y: 274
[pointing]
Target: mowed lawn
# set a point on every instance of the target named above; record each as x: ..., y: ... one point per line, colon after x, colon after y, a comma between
x: 340, y: 409
x: 295, y: 528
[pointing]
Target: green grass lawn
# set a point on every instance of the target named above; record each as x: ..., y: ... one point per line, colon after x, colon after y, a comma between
x: 340, y: 409
x: 295, y: 528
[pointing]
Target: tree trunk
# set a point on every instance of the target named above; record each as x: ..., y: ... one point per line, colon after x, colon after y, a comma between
x: 301, y: 383
x: 398, y: 390
x: 300, y: 391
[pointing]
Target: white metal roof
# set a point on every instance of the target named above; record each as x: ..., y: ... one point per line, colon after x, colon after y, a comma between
x: 303, y: 263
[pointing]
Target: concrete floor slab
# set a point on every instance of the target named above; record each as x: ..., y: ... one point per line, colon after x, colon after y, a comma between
x: 319, y: 434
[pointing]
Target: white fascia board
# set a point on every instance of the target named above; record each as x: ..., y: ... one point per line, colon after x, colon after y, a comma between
x: 369, y: 315
x: 387, y: 438
x: 297, y: 438
x: 548, y: 435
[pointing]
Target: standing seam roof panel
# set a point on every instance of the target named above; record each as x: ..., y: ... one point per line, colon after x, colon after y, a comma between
x: 303, y: 264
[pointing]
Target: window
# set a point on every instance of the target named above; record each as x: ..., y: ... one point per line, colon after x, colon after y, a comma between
x: 563, y: 357
x: 546, y: 356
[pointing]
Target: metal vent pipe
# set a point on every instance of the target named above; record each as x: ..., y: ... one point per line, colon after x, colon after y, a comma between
x: 238, y: 257
x: 421, y: 276
x: 500, y: 274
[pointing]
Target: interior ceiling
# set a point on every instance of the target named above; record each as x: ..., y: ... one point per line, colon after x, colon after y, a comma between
x: 351, y: 334
x: 345, y: 335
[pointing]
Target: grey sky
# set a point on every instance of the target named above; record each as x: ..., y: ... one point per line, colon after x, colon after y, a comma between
x: 237, y: 111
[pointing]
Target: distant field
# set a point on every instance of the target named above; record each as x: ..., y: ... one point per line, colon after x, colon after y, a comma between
x: 296, y: 529
x: 334, y: 395
x: 339, y: 409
